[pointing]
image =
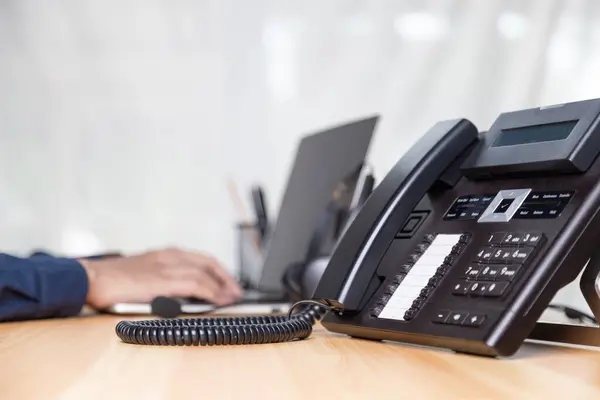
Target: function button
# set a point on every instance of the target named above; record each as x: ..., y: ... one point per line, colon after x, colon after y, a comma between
x: 450, y: 215
x: 376, y: 311
x: 470, y: 214
x: 520, y: 255
x: 507, y: 273
x: 449, y: 260
x: 489, y: 272
x: 398, y: 279
x: 531, y: 238
x: 566, y: 195
x: 462, y: 200
x: 421, y: 247
x: 456, y: 249
x: 429, y: 238
x: 390, y: 289
x: 405, y: 268
x: 440, y: 316
x: 418, y: 303
x: 472, y: 271
x: 442, y: 269
x: 460, y: 288
x: 495, y: 289
x: 464, y: 238
x: 413, y: 258
x: 485, y: 254
x: 496, y: 238
x: 433, y: 281
x: 474, y: 319
x: 513, y: 239
x: 410, y: 314
x: 456, y: 317
x: 411, y: 224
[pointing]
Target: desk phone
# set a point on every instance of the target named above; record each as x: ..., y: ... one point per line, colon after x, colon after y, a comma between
x: 461, y: 246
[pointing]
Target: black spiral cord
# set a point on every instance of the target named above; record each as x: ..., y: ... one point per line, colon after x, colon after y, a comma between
x: 223, y: 331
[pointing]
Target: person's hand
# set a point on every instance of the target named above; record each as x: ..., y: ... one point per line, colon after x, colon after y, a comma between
x: 171, y: 272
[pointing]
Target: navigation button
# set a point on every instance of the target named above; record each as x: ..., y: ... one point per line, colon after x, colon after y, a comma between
x: 440, y: 317
x: 504, y: 205
x: 474, y: 319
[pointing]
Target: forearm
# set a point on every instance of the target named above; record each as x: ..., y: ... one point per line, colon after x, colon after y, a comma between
x: 41, y: 287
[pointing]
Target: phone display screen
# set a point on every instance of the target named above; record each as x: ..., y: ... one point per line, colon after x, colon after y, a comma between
x: 534, y: 134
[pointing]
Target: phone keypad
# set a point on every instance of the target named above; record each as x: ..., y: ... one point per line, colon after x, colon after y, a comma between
x: 497, y: 264
x: 491, y: 273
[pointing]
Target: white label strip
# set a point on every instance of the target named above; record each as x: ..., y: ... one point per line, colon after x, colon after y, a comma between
x: 418, y: 277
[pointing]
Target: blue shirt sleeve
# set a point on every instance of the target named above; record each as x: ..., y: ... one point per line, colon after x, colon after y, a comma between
x: 40, y: 286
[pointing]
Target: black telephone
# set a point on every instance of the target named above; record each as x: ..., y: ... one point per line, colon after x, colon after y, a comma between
x: 462, y: 245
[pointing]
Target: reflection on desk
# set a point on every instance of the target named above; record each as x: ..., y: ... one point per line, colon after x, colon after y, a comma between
x: 81, y: 358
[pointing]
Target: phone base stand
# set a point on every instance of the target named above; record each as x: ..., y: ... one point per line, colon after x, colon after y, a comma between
x: 577, y: 334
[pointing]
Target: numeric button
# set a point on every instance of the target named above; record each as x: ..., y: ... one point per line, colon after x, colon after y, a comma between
x: 532, y: 238
x: 489, y: 272
x: 520, y: 255
x: 495, y: 289
x: 497, y: 256
x: 496, y: 238
x: 477, y: 288
x: 513, y: 239
x: 507, y: 273
x: 472, y: 271
x: 460, y: 288
x: 484, y: 255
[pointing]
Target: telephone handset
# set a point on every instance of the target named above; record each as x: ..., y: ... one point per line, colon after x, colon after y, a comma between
x: 367, y: 239
x: 461, y: 246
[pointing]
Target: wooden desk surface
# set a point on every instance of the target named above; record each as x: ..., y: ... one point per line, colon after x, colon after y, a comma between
x: 82, y: 358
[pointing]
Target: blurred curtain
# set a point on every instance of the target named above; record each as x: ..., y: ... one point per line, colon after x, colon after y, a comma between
x: 121, y: 121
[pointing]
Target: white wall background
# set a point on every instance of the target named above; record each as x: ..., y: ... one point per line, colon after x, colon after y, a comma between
x: 121, y: 120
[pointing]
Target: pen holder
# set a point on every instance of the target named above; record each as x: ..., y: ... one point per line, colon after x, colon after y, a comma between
x: 250, y: 254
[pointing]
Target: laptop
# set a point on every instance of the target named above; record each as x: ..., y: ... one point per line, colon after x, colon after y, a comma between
x: 322, y: 160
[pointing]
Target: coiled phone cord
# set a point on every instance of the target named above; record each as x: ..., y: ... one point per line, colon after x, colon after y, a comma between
x: 223, y: 331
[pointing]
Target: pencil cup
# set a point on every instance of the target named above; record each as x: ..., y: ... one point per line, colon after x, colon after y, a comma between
x: 250, y: 254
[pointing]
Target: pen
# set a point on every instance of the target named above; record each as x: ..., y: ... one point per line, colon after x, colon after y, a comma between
x: 260, y: 210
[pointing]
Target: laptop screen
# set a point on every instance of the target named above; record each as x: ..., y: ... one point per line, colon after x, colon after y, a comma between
x: 322, y: 161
